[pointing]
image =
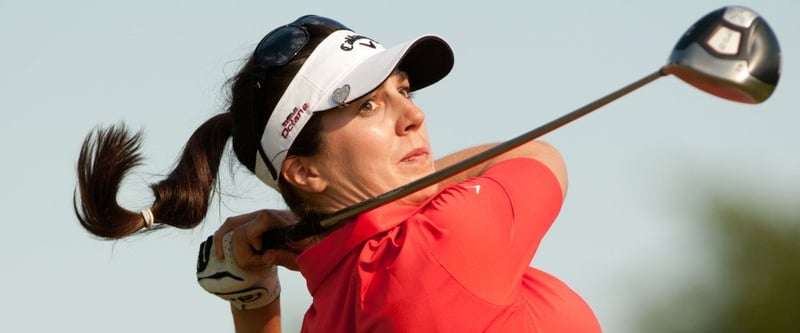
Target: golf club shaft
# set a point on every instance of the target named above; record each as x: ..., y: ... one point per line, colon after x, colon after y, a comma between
x: 278, y: 238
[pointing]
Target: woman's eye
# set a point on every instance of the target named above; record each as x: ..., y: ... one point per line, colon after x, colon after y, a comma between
x: 368, y: 106
x: 406, y: 92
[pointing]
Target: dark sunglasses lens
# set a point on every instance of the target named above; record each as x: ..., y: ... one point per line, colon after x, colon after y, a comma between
x: 319, y: 20
x: 280, y: 46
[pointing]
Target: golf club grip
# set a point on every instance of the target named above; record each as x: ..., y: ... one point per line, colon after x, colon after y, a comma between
x: 276, y: 239
x: 284, y: 238
x: 279, y: 238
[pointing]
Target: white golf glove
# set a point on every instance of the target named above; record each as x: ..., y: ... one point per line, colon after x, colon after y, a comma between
x: 245, y: 289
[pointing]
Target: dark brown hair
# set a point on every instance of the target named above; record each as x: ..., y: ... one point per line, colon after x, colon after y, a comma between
x: 182, y: 198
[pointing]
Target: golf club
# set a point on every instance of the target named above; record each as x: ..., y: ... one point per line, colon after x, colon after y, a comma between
x: 731, y: 53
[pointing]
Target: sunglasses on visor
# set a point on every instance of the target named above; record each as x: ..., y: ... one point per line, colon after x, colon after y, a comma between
x: 281, y: 45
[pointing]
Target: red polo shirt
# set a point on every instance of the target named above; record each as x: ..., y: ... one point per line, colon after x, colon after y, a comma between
x: 458, y: 263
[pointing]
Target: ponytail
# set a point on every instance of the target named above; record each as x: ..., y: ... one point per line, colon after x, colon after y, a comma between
x: 181, y: 199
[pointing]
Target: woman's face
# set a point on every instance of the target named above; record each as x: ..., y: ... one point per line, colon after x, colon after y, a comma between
x: 374, y: 145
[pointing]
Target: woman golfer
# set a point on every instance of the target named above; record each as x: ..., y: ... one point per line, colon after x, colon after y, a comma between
x: 325, y: 116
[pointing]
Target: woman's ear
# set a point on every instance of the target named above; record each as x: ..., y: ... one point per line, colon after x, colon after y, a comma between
x: 302, y: 173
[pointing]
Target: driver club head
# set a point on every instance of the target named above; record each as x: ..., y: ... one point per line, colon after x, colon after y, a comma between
x: 731, y: 53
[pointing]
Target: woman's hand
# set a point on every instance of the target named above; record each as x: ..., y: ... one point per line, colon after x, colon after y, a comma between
x: 247, y: 231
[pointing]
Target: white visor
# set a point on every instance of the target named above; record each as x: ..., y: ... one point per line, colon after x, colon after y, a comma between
x: 344, y: 67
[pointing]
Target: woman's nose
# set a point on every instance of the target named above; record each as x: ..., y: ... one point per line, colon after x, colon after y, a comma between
x: 411, y: 118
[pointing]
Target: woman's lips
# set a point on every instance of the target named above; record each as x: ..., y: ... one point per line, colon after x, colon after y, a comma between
x: 415, y: 155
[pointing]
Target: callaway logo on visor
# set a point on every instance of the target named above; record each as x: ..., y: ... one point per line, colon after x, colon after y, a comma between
x: 352, y: 39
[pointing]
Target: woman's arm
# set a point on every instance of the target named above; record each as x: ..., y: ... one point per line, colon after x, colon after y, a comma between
x: 538, y: 150
x: 262, y: 320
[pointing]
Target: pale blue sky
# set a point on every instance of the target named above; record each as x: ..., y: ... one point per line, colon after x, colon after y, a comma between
x: 637, y: 167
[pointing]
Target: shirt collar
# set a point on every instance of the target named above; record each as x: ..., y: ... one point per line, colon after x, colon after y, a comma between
x: 319, y: 260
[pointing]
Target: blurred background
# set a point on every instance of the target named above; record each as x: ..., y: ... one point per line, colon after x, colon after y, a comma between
x: 682, y: 213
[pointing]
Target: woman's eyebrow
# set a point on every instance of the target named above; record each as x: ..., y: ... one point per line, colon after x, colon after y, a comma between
x: 399, y: 74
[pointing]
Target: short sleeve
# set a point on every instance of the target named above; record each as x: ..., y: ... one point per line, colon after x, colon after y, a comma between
x: 486, y: 230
